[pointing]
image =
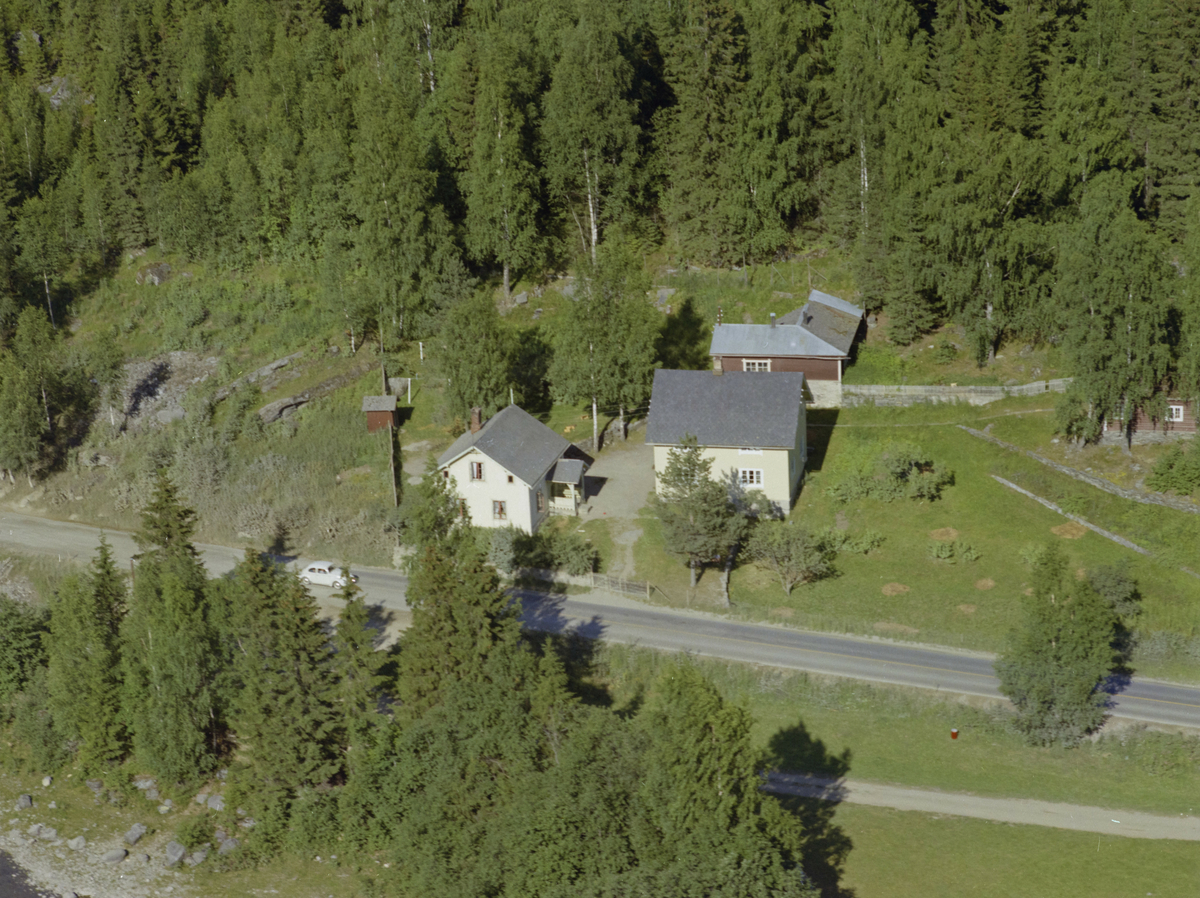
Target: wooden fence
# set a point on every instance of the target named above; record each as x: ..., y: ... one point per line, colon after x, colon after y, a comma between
x: 893, y: 394
x: 639, y: 588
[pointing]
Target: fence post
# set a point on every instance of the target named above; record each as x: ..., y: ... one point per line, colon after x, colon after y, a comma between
x: 647, y: 590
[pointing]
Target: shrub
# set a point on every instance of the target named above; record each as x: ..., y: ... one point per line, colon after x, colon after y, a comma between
x: 194, y: 832
x: 502, y: 549
x: 21, y: 651
x: 890, y: 471
x: 1177, y: 471
x: 572, y: 553
x: 944, y: 352
x: 952, y: 552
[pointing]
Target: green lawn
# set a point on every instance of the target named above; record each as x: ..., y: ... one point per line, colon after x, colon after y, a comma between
x: 899, y: 854
x: 898, y: 591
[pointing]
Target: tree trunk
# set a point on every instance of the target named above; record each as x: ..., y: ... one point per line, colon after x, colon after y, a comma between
x: 595, y: 427
x: 693, y: 569
x: 49, y: 304
x: 507, y: 291
x: 621, y: 423
x: 591, y: 199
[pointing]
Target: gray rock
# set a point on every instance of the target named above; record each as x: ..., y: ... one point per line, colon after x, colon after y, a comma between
x: 228, y: 845
x: 115, y: 856
x: 142, y: 858
x: 222, y: 773
x: 48, y: 833
x: 152, y: 794
x: 168, y: 803
x: 145, y: 783
x: 77, y: 844
x: 248, y: 823
x: 170, y: 413
x: 568, y: 291
x: 537, y: 313
x: 521, y: 298
x: 164, y: 809
x: 35, y: 830
x: 135, y: 832
x: 24, y: 802
x: 53, y: 805
x: 175, y: 853
x: 197, y: 857
x: 70, y: 895
x: 96, y: 786
x: 154, y: 274
x: 220, y: 835
x: 46, y: 781
x: 216, y: 803
x: 241, y: 812
x: 201, y: 798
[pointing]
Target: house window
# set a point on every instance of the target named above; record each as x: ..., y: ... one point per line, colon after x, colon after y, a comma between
x: 477, y: 470
x: 446, y: 474
x: 749, y: 452
x: 462, y: 508
x: 510, y: 478
x: 756, y: 364
x: 541, y: 501
x: 1174, y: 412
x: 750, y: 476
x: 499, y: 511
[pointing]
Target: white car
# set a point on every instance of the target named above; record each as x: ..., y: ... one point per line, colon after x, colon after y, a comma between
x: 326, y: 573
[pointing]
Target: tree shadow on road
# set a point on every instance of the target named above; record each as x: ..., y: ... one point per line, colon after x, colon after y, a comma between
x: 825, y: 845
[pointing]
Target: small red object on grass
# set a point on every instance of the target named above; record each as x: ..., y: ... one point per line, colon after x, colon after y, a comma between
x: 954, y: 733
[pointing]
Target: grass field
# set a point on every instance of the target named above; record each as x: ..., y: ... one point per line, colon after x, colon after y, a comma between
x: 898, y: 590
x: 898, y: 854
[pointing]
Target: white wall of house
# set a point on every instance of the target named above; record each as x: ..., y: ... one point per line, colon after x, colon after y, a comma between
x: 520, y: 501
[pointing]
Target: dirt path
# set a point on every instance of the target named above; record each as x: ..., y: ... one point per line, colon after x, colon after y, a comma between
x: 1131, y: 824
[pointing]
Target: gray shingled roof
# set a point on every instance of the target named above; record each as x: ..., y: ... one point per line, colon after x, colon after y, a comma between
x: 515, y: 439
x: 567, y: 470
x: 824, y: 327
x: 734, y: 409
x: 379, y: 404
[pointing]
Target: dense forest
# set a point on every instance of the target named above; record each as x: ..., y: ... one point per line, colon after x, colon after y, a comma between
x: 1025, y: 171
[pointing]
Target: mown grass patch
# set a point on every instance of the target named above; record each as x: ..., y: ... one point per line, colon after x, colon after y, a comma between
x: 906, y: 854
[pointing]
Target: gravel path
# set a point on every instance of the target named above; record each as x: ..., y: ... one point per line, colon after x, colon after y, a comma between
x: 1131, y: 824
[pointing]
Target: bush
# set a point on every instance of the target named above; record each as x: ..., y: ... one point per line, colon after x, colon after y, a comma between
x: 503, y: 548
x: 945, y: 352
x: 572, y: 553
x: 35, y: 728
x: 1177, y: 471
x: 313, y: 823
x: 194, y: 832
x: 952, y: 552
x: 889, y: 471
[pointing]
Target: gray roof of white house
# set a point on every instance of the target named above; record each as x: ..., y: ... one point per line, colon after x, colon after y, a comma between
x: 824, y: 327
x: 514, y: 439
x: 567, y: 470
x: 736, y: 409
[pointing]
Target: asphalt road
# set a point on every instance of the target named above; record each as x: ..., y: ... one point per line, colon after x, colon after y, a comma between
x: 617, y: 619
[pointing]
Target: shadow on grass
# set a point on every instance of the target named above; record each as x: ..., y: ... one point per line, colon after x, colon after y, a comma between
x: 683, y: 340
x: 821, y: 422
x: 825, y: 845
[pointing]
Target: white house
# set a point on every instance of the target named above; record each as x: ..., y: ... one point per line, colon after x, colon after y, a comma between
x: 752, y: 427
x: 514, y: 470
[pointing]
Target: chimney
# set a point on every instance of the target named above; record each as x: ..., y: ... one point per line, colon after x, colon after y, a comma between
x: 772, y: 319
x: 718, y: 366
x: 476, y: 419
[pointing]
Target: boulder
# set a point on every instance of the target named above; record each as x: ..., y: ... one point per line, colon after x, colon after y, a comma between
x: 197, y: 857
x: 152, y: 794
x: 97, y: 786
x: 228, y: 845
x: 35, y: 830
x: 154, y: 275
x: 145, y: 783
x: 24, y: 802
x: 521, y: 298
x: 164, y: 809
x: 201, y: 798
x: 115, y: 856
x: 46, y: 781
x: 48, y: 833
x: 135, y: 832
x: 77, y: 844
x: 175, y: 854
x: 216, y: 803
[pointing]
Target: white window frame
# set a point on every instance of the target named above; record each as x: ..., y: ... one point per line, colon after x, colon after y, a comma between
x: 750, y: 476
x: 499, y: 510
x: 1175, y: 413
x: 759, y: 366
x: 476, y: 469
x: 749, y: 451
x: 541, y: 502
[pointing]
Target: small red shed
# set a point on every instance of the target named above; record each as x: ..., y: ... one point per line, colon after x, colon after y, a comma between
x: 381, y: 411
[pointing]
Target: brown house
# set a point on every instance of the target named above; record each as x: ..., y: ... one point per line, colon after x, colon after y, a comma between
x: 381, y: 411
x: 1178, y: 418
x: 815, y: 340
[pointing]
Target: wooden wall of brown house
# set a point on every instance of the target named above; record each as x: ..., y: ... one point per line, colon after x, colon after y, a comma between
x: 379, y: 420
x: 1144, y: 422
x: 813, y: 369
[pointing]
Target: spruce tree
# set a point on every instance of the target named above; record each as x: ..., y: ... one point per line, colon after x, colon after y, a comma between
x: 354, y: 671
x: 282, y: 716
x: 460, y: 618
x: 1056, y: 662
x: 85, y: 665
x: 169, y: 647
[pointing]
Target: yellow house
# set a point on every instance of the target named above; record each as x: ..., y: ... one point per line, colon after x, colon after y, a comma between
x: 752, y: 427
